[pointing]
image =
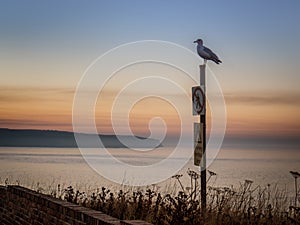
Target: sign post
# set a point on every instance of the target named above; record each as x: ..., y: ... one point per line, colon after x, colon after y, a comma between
x: 203, y: 121
x: 199, y: 108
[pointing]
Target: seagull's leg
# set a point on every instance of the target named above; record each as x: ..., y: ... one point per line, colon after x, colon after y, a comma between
x: 205, y: 60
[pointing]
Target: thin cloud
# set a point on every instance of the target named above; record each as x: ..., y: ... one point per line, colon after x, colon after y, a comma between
x: 28, y: 94
x: 263, y: 99
x: 30, y: 123
x: 15, y: 98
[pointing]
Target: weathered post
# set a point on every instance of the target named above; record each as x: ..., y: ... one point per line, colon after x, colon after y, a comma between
x: 203, y: 121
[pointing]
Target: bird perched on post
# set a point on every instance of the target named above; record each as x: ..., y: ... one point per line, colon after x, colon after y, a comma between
x: 206, y: 53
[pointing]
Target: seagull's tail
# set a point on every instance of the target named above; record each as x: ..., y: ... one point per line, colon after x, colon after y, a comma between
x: 218, y: 61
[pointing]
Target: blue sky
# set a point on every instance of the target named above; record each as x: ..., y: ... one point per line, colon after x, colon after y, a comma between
x: 261, y: 33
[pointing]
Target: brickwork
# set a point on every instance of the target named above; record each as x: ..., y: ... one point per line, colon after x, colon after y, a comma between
x: 22, y: 206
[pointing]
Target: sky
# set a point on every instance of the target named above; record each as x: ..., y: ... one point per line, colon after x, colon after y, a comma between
x: 45, y: 47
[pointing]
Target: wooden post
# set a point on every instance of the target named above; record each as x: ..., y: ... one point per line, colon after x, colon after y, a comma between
x: 203, y: 121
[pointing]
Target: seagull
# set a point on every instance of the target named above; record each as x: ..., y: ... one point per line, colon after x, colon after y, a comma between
x: 206, y: 53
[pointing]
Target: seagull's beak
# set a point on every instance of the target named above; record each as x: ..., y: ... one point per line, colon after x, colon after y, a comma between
x: 195, y: 41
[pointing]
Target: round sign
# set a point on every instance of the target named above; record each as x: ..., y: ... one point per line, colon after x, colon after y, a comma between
x: 198, y: 99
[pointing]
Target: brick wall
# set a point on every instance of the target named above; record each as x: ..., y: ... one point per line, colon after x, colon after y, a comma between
x: 22, y: 206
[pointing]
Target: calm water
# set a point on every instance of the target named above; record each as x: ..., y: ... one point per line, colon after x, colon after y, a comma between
x: 48, y: 167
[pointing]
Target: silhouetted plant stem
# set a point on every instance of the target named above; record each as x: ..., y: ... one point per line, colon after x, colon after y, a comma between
x: 295, y: 175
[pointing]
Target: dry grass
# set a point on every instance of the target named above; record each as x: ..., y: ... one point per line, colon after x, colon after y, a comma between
x: 244, y: 205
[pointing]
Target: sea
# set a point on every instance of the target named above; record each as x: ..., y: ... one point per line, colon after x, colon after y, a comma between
x: 46, y: 168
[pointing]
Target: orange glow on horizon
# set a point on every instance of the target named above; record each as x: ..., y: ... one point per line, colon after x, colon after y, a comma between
x: 52, y: 109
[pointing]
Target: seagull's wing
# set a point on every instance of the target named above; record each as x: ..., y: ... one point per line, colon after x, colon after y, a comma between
x: 213, y: 56
x: 210, y: 52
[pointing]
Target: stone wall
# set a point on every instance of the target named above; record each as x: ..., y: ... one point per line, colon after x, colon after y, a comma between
x: 22, y: 206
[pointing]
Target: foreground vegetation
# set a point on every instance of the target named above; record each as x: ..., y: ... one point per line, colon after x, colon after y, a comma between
x: 244, y: 205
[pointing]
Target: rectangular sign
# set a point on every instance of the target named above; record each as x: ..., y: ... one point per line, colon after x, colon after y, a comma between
x: 198, y: 143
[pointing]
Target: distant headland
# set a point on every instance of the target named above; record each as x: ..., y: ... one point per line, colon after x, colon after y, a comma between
x: 65, y: 139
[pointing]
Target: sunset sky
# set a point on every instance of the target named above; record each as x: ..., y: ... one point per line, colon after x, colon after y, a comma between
x: 45, y: 47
